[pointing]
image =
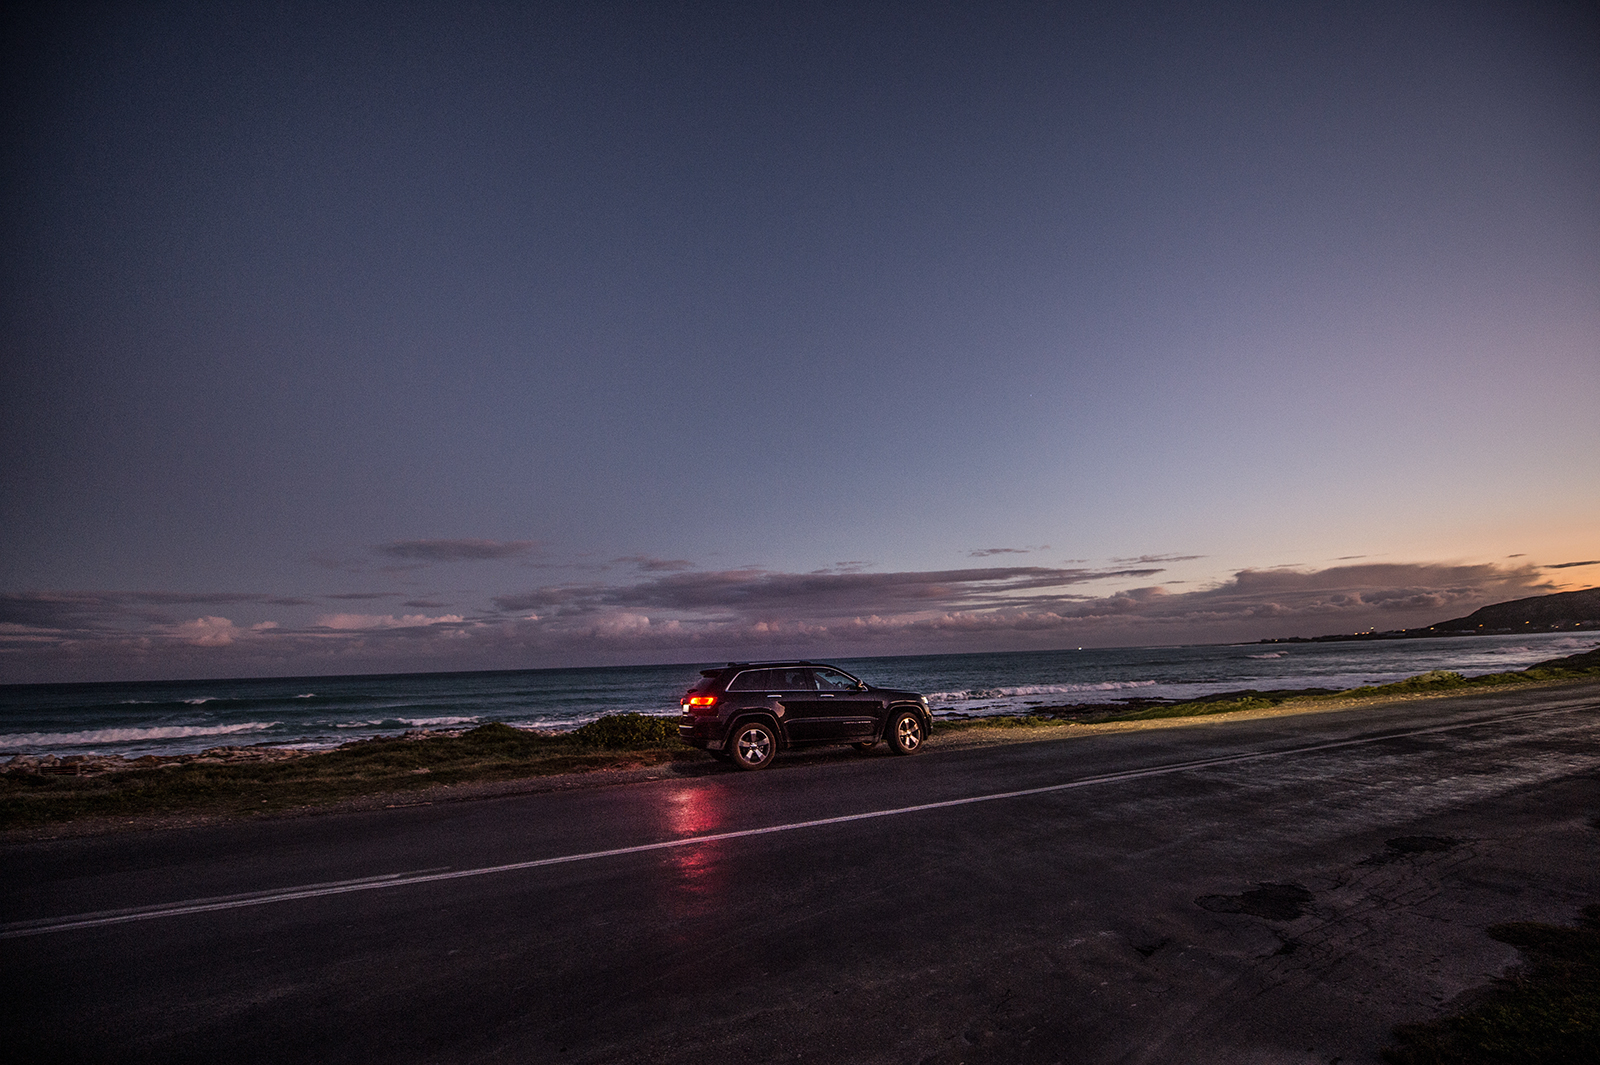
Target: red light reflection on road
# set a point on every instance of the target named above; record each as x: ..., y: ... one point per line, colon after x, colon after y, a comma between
x: 695, y: 883
x: 695, y: 810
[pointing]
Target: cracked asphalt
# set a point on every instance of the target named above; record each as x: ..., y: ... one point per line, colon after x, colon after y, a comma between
x: 1273, y: 890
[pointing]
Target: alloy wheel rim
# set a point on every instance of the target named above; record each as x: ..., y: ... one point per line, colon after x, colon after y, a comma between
x: 753, y: 746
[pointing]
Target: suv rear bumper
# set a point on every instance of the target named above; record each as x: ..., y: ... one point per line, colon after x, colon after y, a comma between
x: 705, y: 733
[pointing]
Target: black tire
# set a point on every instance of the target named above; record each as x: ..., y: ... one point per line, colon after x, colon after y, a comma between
x: 754, y: 745
x: 905, y: 732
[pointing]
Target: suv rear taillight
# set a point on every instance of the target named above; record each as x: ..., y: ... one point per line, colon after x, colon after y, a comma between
x: 701, y: 703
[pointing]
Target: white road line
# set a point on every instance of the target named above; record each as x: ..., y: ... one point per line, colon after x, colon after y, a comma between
x: 220, y: 902
x: 394, y: 880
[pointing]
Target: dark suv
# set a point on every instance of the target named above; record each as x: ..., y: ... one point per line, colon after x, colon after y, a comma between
x: 747, y: 711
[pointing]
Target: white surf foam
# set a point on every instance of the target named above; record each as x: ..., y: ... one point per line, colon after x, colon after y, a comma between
x: 128, y: 735
x: 409, y: 722
x: 1024, y: 690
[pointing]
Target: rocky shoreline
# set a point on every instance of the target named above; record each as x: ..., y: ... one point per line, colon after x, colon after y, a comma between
x: 89, y: 765
x: 86, y: 765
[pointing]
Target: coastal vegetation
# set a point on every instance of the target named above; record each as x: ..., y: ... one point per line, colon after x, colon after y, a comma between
x: 233, y: 781
x: 1573, y: 667
x: 230, y: 781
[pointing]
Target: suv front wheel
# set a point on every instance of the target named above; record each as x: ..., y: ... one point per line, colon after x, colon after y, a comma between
x: 904, y: 733
x: 755, y: 745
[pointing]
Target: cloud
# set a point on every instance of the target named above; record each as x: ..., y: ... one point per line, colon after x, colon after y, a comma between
x: 1419, y: 589
x: 756, y: 591
x: 622, y: 624
x: 1570, y: 565
x: 1016, y: 606
x: 750, y: 612
x: 207, y: 632
x: 361, y: 595
x: 1150, y: 560
x: 384, y: 621
x: 206, y: 598
x: 99, y: 610
x: 655, y: 565
x: 455, y: 550
x: 53, y: 610
x: 988, y: 552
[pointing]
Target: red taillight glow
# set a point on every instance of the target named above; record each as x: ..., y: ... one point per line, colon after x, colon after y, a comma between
x: 700, y: 700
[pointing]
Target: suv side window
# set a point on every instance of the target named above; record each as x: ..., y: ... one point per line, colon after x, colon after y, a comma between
x: 831, y: 680
x: 752, y: 680
x: 792, y: 679
x: 784, y: 679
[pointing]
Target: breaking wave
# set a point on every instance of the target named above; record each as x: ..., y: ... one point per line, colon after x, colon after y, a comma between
x: 409, y: 722
x: 91, y: 737
x: 1023, y: 690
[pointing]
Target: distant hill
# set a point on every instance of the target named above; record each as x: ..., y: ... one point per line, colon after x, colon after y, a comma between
x: 1563, y: 610
x: 1538, y: 613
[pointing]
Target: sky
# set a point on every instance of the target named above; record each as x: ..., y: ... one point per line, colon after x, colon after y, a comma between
x: 352, y: 338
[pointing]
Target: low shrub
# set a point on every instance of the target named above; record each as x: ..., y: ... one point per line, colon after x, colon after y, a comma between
x: 1433, y: 680
x: 619, y: 732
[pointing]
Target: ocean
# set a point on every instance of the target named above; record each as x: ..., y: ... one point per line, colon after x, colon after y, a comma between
x: 176, y: 717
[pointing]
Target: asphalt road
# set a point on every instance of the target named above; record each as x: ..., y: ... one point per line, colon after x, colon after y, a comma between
x: 1097, y: 899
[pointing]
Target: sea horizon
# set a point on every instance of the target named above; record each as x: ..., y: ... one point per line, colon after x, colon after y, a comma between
x: 319, y: 711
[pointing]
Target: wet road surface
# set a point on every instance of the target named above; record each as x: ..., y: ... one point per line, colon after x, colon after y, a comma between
x: 1277, y: 890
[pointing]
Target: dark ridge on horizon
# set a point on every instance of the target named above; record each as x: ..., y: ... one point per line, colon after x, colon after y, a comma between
x: 1555, y: 612
x: 1558, y: 610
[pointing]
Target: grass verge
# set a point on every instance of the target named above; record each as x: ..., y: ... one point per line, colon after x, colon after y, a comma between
x: 1573, y: 667
x: 389, y: 764
x: 1547, y: 1012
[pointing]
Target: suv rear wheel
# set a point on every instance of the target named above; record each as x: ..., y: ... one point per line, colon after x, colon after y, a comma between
x: 904, y: 733
x: 755, y: 745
